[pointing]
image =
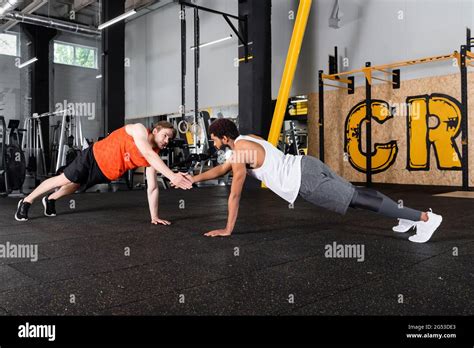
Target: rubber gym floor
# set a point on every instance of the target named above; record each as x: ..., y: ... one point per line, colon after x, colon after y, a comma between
x: 274, y: 263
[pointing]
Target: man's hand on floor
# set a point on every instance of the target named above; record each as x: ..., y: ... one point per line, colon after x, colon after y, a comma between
x: 218, y: 233
x: 158, y: 221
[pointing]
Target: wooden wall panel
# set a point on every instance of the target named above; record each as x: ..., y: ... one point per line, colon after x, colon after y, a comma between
x: 338, y: 105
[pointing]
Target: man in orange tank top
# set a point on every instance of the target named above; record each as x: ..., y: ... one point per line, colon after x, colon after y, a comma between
x: 127, y: 148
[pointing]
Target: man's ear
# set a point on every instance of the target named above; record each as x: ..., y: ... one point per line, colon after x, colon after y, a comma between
x: 225, y: 140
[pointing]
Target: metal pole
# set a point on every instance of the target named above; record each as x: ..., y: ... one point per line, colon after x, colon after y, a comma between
x: 464, y: 121
x: 24, y: 140
x: 206, y: 9
x: 30, y: 140
x: 41, y: 147
x: 196, y: 75
x: 76, y: 131
x: 183, y: 61
x: 468, y: 38
x: 61, y: 142
x: 321, y: 116
x: 81, y: 136
x: 52, y: 23
x: 37, y: 149
x: 368, y: 120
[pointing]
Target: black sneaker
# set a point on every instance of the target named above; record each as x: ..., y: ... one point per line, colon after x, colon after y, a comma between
x: 49, y: 206
x: 22, y: 211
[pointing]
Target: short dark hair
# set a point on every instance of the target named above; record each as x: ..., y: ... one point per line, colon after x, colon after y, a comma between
x: 165, y: 125
x: 224, y: 127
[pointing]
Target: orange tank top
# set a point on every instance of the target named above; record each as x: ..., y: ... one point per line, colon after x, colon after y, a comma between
x: 117, y: 154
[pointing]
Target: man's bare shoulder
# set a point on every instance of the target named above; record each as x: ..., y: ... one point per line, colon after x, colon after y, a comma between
x: 135, y: 129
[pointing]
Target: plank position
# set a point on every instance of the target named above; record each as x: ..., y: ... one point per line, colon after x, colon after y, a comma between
x: 127, y: 148
x: 289, y: 176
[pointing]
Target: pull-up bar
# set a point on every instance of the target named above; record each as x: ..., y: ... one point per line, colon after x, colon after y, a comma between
x: 211, y: 10
x: 384, y: 71
x: 334, y: 78
x: 242, y: 20
x: 396, y: 65
x: 349, y: 81
x: 463, y: 58
x: 336, y: 86
x: 384, y: 80
x: 243, y: 38
x: 469, y: 55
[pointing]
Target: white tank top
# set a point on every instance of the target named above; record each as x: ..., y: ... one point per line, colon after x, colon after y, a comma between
x: 281, y: 173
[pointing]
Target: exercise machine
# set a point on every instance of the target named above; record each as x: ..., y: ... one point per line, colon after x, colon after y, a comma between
x: 12, y: 159
x: 34, y: 148
x: 3, y: 165
x: 293, y: 140
x: 66, y: 142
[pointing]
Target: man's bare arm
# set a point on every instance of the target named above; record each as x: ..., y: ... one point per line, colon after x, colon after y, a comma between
x: 238, y: 179
x: 140, y: 136
x: 153, y: 193
x: 214, y: 173
x: 239, y: 174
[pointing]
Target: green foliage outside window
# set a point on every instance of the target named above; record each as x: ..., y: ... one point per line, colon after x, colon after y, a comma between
x: 75, y: 55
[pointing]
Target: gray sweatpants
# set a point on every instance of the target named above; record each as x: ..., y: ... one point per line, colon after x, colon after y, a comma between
x: 324, y: 188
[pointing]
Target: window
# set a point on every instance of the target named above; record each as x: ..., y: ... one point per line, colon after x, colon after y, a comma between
x: 77, y: 55
x: 9, y: 44
x: 63, y: 54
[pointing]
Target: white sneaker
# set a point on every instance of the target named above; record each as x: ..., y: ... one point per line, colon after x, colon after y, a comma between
x: 424, y: 230
x: 404, y: 226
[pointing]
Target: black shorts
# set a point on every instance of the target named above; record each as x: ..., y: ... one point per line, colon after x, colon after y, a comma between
x: 85, y: 171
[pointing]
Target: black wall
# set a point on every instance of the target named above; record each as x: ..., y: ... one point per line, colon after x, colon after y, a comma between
x: 255, y: 108
x: 113, y: 66
x: 40, y: 88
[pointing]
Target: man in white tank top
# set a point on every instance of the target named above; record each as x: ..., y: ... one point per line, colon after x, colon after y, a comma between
x: 289, y: 176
